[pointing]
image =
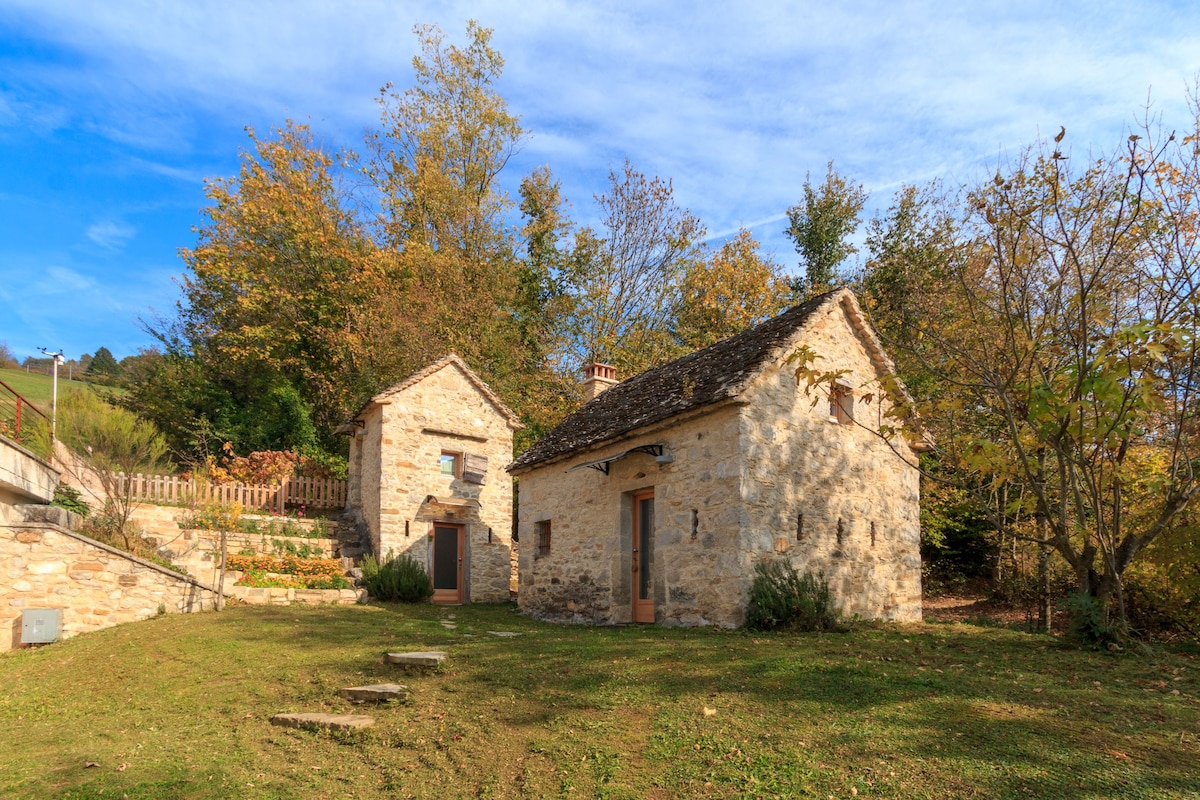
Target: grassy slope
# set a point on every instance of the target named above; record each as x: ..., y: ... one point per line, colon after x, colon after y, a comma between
x: 179, y: 707
x: 38, y: 389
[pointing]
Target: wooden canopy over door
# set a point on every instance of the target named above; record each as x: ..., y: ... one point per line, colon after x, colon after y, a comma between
x: 447, y: 566
x: 643, y: 551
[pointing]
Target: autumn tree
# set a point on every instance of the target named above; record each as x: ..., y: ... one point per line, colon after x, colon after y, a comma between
x: 624, y: 280
x: 822, y: 226
x: 727, y: 291
x: 1062, y: 329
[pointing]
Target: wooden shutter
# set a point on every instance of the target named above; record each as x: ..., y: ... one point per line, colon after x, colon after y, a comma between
x: 475, y: 468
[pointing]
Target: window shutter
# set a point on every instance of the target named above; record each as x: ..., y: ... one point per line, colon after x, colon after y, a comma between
x: 475, y: 469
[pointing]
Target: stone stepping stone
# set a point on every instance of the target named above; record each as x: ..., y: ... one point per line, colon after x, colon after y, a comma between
x: 429, y: 659
x: 449, y: 625
x: 376, y: 693
x: 329, y: 722
x: 504, y: 633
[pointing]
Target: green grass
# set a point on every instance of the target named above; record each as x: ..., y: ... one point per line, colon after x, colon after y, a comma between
x: 38, y: 389
x: 179, y: 707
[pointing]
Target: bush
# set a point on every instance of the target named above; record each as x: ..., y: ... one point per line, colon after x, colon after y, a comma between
x: 781, y: 598
x: 68, y: 497
x: 396, y: 580
x: 1089, y: 625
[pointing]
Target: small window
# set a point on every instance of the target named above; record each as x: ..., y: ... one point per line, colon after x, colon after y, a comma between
x: 451, y: 464
x: 542, y: 529
x: 841, y: 403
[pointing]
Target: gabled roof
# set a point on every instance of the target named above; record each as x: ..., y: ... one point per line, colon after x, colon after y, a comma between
x: 717, y: 373
x: 448, y: 360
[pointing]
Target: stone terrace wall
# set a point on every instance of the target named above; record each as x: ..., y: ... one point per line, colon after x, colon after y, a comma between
x: 43, y: 565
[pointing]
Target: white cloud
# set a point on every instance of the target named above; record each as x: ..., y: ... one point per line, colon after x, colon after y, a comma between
x: 111, y: 235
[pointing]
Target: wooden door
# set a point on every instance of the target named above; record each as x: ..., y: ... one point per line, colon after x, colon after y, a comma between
x: 643, y: 552
x: 447, y: 564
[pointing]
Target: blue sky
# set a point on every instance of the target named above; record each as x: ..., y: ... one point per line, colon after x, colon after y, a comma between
x: 113, y: 113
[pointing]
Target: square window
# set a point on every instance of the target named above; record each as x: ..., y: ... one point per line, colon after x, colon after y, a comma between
x: 451, y: 464
x: 841, y: 404
x: 542, y: 529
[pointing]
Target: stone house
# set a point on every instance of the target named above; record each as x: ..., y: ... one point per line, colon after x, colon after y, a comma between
x: 427, y: 479
x: 654, y: 502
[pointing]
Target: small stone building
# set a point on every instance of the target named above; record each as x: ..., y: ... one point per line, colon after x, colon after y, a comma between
x: 427, y: 479
x: 654, y: 502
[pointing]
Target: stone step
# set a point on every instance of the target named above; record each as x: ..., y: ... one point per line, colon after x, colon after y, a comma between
x: 427, y: 659
x: 330, y: 722
x: 376, y: 693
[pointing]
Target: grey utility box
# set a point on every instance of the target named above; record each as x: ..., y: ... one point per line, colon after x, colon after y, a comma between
x: 41, y: 625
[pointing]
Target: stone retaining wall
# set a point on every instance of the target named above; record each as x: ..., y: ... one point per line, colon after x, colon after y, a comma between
x: 43, y: 565
x: 199, y: 551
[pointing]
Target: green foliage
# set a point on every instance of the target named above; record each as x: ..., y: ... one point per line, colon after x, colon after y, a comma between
x: 68, y: 497
x: 103, y: 365
x: 1089, y: 623
x: 782, y: 598
x: 821, y: 227
x: 398, y: 579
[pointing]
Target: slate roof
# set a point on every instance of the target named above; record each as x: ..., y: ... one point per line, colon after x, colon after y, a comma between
x: 708, y: 376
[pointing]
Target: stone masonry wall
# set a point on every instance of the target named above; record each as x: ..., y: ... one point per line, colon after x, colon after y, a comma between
x: 774, y: 477
x: 832, y: 497
x: 587, y: 576
x: 96, y: 586
x: 443, y: 412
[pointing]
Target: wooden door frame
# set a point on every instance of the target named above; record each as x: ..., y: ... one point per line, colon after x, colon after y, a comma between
x: 642, y: 610
x: 449, y: 597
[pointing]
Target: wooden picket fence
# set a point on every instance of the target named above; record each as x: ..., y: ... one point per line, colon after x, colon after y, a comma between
x: 291, y: 494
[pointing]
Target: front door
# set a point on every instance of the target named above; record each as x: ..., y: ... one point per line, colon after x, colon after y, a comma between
x: 643, y: 546
x: 447, y: 563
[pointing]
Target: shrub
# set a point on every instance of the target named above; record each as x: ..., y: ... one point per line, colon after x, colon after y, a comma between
x: 399, y: 579
x: 781, y: 598
x: 1089, y: 625
x: 68, y: 497
x: 214, y: 517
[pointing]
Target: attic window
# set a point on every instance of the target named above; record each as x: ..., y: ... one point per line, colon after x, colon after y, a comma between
x: 451, y: 464
x: 841, y: 403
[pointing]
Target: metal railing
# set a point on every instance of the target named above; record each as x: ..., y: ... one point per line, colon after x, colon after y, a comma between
x: 19, y: 418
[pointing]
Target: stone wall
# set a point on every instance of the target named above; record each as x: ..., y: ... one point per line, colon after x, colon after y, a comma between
x: 43, y: 565
x: 587, y: 575
x: 398, y: 463
x: 773, y: 477
x: 832, y: 497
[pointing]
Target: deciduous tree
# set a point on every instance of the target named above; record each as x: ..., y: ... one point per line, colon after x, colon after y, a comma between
x: 822, y: 226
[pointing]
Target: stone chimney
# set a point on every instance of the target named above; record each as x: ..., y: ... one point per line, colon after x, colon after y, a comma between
x: 596, y: 378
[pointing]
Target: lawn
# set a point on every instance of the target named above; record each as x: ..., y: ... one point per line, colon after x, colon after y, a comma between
x: 38, y: 389
x: 179, y: 707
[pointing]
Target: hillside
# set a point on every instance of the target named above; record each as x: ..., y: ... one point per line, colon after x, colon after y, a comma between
x: 38, y: 389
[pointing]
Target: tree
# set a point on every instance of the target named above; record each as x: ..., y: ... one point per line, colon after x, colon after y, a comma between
x: 103, y: 365
x: 624, y: 282
x: 731, y: 289
x: 108, y: 444
x: 1061, y: 330
x: 8, y: 360
x: 821, y: 227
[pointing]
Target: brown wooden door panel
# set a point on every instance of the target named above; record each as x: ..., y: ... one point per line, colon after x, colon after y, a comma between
x: 643, y: 557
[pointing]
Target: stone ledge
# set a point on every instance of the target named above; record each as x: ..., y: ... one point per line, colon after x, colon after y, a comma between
x: 427, y: 659
x: 316, y: 722
x: 376, y: 693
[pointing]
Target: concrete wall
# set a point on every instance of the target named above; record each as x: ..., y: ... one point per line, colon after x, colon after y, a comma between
x: 24, y: 478
x: 398, y: 464
x: 815, y: 489
x: 772, y: 477
x: 45, y: 566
